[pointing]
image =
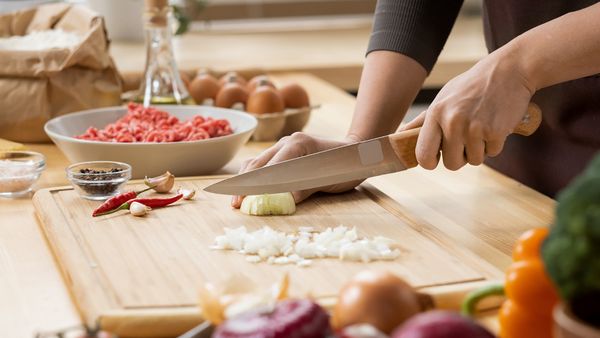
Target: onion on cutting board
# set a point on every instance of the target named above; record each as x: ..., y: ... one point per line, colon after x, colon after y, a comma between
x: 269, y: 204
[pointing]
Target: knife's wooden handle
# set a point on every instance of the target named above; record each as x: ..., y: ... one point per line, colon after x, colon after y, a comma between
x: 405, y: 142
x: 530, y: 122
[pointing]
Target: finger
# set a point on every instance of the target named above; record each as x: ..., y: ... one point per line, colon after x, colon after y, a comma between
x: 428, y: 143
x: 494, y: 147
x: 257, y: 162
x: 475, y: 152
x: 475, y: 147
x: 263, y: 158
x: 414, y: 123
x: 236, y: 201
x: 298, y: 146
x: 300, y: 196
x: 453, y: 152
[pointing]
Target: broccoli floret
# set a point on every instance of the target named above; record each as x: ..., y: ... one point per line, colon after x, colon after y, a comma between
x: 571, y: 252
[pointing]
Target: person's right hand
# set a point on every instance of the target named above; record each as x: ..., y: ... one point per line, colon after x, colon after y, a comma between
x: 289, y: 147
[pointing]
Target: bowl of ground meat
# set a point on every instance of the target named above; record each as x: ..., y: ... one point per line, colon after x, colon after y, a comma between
x: 186, y: 140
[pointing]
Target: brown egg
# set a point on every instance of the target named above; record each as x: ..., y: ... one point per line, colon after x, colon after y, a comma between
x: 265, y: 100
x: 232, y: 77
x: 185, y: 78
x: 294, y: 96
x: 378, y: 298
x: 204, y: 86
x: 257, y: 81
x: 230, y: 94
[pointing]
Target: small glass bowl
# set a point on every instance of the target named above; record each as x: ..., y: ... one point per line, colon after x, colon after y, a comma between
x: 19, y: 170
x: 98, y: 180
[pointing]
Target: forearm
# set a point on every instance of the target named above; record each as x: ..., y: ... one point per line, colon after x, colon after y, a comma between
x: 560, y: 50
x: 388, y: 85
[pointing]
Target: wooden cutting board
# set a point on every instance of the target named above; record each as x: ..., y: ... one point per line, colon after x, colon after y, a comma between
x: 139, y: 276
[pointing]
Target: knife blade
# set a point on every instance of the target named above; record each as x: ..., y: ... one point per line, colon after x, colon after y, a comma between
x: 378, y: 156
x: 337, y: 165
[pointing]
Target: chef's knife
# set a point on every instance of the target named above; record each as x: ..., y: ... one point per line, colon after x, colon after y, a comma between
x: 378, y: 156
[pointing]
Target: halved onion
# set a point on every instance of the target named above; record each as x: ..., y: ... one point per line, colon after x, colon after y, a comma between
x: 269, y: 204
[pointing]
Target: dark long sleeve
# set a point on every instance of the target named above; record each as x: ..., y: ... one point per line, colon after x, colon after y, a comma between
x: 416, y: 28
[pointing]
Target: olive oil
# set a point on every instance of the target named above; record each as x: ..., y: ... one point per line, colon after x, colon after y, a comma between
x: 161, y: 83
x: 168, y: 100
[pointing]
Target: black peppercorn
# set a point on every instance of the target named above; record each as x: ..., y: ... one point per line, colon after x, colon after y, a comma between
x: 100, y: 182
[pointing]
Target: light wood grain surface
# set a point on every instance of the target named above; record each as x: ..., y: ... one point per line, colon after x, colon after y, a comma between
x: 476, y: 209
x: 334, y: 54
x: 120, y: 262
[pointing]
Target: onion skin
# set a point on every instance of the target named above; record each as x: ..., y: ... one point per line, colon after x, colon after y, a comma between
x: 441, y: 324
x: 290, y: 318
x: 380, y: 299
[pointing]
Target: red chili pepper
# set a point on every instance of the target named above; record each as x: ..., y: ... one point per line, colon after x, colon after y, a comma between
x: 116, y: 201
x: 157, y: 202
x: 149, y: 202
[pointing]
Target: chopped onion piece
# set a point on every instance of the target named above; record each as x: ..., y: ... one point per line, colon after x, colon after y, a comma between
x: 269, y: 204
x: 276, y: 247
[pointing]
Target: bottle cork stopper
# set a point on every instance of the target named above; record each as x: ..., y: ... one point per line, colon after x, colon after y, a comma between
x: 156, y: 12
x: 156, y: 3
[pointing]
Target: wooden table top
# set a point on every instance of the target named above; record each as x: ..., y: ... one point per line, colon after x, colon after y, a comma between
x: 477, y: 208
x: 335, y: 54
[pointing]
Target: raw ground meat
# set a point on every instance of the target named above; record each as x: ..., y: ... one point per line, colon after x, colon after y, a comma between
x: 150, y: 124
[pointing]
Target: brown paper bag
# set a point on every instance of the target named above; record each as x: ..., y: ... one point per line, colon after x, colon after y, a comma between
x: 36, y: 86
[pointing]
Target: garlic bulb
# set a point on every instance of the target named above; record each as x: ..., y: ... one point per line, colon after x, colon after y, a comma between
x: 269, y: 204
x: 138, y: 209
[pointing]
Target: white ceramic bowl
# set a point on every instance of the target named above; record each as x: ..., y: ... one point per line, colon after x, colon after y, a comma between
x: 151, y: 159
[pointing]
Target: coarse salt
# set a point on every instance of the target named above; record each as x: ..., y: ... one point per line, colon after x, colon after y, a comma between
x: 40, y: 40
x: 15, y: 176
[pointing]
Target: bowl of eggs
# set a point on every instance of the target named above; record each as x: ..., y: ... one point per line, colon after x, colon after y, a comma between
x: 279, y: 111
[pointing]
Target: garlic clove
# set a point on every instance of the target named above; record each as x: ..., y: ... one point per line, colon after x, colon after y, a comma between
x: 188, y: 194
x: 138, y: 209
x: 161, y: 184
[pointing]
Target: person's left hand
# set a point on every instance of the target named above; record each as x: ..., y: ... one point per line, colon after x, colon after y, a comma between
x: 473, y: 114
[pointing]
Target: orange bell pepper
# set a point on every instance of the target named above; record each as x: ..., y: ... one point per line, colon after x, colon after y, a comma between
x: 527, y: 312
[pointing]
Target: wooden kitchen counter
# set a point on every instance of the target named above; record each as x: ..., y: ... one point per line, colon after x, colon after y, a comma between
x: 335, y: 54
x: 476, y: 209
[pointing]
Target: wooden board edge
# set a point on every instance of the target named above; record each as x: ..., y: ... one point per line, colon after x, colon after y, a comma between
x: 136, y: 181
x: 88, y: 306
x: 168, y: 321
x: 150, y: 322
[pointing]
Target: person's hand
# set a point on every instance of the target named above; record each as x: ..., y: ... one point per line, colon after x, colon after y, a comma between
x: 472, y: 114
x: 288, y: 147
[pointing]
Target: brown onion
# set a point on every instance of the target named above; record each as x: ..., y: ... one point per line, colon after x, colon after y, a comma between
x: 377, y: 298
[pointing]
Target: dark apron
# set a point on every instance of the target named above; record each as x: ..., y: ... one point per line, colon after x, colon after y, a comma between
x: 570, y: 132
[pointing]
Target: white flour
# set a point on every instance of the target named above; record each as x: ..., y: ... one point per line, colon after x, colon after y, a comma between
x: 40, y: 40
